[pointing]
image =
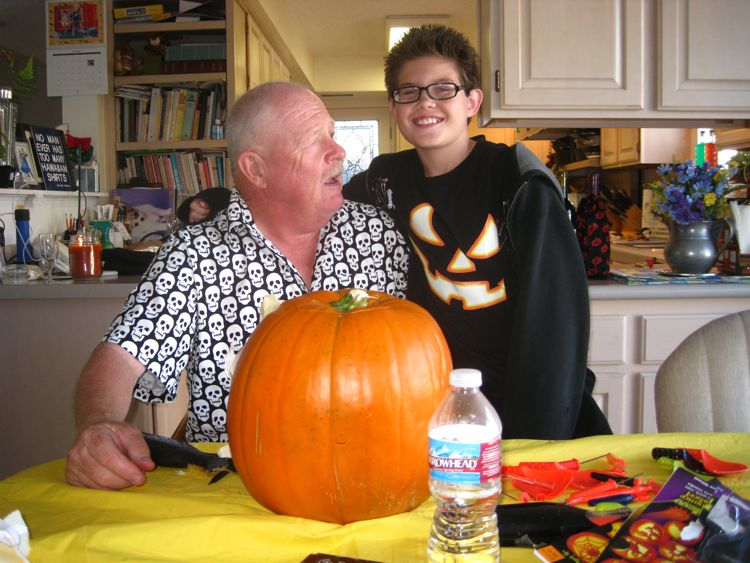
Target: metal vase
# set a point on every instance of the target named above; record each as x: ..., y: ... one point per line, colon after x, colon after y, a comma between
x: 692, y: 248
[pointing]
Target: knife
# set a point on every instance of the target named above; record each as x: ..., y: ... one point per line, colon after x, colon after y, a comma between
x: 167, y: 452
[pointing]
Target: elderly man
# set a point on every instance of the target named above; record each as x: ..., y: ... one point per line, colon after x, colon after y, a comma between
x: 286, y: 231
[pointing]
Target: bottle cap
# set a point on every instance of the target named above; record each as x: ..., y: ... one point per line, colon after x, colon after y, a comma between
x: 466, y: 378
x: 22, y: 214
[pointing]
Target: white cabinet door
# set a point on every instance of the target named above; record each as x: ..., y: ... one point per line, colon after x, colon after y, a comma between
x: 559, y: 54
x: 704, y: 49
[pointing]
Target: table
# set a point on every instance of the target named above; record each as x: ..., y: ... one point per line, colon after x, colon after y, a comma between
x: 178, y: 516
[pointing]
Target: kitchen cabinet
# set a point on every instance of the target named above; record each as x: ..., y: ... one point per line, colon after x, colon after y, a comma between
x: 733, y: 138
x: 701, y: 46
x: 632, y: 146
x: 631, y: 337
x: 574, y: 61
x: 266, y: 64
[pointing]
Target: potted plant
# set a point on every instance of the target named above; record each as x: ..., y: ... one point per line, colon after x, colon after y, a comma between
x: 692, y: 201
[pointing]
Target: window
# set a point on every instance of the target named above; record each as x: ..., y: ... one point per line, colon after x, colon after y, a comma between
x: 360, y: 141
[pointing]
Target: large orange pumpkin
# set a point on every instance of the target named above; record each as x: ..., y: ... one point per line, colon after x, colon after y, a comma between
x: 328, y: 411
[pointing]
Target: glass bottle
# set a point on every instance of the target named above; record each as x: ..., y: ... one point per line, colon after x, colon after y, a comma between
x: 8, y: 116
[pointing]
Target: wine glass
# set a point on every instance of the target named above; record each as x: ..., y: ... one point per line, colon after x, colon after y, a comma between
x: 48, y: 249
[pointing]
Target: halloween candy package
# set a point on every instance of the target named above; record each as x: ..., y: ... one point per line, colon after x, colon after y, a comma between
x: 690, y: 519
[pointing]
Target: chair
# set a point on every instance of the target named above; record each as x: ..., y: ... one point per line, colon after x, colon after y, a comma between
x: 704, y: 384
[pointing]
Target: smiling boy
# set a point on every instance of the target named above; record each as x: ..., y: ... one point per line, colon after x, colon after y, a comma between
x: 496, y: 260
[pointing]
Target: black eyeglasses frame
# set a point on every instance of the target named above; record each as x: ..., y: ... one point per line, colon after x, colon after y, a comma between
x: 458, y: 88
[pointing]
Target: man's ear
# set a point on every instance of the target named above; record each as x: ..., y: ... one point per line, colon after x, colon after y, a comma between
x: 253, y: 168
x: 474, y: 101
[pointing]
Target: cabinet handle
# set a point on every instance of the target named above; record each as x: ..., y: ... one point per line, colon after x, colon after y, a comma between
x: 497, y: 81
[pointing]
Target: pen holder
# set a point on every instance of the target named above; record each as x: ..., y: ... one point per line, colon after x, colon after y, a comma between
x: 104, y: 227
x: 85, y: 254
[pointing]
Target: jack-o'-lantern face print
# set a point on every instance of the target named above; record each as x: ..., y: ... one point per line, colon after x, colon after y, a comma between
x: 674, y: 551
x: 587, y: 546
x: 451, y: 280
x: 632, y: 550
x: 648, y: 531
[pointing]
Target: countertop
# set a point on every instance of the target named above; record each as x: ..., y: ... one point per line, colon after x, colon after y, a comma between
x: 598, y: 290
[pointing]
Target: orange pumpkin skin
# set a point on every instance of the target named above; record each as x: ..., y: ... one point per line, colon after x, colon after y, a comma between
x: 328, y: 411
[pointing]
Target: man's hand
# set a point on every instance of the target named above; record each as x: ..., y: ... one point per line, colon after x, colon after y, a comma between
x: 199, y: 210
x: 109, y: 455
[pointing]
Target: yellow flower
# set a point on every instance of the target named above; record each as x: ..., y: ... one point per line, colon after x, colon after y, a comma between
x: 709, y: 199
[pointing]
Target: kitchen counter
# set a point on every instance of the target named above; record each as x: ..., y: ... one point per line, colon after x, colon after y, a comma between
x: 598, y: 290
x: 109, y: 288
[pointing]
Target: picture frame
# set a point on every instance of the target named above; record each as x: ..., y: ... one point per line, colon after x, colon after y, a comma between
x: 26, y: 165
x: 75, y: 23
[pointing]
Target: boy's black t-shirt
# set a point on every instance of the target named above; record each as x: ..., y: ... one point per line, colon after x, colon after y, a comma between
x: 465, y: 262
x: 497, y: 264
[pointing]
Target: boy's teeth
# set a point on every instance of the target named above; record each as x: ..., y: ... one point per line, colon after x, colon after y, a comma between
x: 427, y: 121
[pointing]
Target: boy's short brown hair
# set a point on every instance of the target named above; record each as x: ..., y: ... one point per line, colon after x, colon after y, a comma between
x: 433, y: 41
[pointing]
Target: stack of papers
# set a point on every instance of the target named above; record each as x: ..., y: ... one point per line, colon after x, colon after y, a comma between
x: 648, y: 276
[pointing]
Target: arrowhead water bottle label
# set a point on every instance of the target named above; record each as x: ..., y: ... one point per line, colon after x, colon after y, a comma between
x: 464, y: 462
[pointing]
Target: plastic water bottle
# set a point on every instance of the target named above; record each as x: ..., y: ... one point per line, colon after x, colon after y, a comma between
x: 23, y: 244
x: 465, y: 470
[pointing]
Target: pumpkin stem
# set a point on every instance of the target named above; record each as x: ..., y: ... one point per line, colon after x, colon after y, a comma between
x: 355, y: 299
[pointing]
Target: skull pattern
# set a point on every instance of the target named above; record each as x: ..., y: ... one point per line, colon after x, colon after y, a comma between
x: 200, y: 298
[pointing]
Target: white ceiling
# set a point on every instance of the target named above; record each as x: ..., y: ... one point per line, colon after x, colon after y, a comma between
x: 357, y: 27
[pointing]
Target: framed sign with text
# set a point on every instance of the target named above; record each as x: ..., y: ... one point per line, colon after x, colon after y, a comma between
x: 50, y: 152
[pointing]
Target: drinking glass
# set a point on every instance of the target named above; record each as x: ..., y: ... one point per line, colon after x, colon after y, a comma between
x: 49, y: 252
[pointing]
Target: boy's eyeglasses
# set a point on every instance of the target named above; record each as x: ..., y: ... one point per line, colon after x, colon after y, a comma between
x: 436, y: 91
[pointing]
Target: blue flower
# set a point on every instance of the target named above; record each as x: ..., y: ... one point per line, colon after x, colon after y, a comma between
x: 681, y: 190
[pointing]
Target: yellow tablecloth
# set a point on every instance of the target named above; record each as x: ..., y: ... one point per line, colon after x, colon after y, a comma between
x: 180, y: 517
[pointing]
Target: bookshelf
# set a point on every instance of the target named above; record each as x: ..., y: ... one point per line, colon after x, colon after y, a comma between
x: 144, y: 130
x: 250, y: 59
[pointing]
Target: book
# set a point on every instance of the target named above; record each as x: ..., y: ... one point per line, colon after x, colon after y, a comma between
x: 185, y: 67
x: 191, y: 97
x: 133, y: 11
x: 145, y: 18
x: 176, y: 129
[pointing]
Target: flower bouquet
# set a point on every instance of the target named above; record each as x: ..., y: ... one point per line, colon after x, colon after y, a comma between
x: 686, y: 193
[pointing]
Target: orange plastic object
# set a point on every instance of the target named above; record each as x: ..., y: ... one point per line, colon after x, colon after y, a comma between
x: 616, y: 463
x: 717, y: 466
x: 584, y: 480
x: 540, y: 484
x: 571, y: 464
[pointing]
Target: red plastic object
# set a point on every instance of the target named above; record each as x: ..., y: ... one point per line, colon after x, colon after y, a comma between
x: 540, y: 484
x: 571, y: 464
x: 717, y: 466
